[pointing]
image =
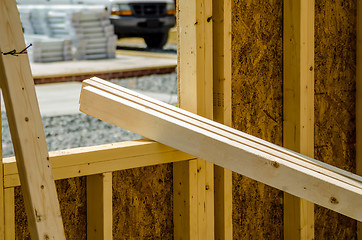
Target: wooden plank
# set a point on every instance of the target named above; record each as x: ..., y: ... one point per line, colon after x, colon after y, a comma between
x: 204, y: 103
x: 227, y: 117
x: 99, y: 206
x: 101, y: 159
x: 204, y: 61
x: 223, y: 203
x: 298, y: 125
x: 195, y: 63
x: 40, y: 196
x: 185, y: 173
x: 215, y: 127
x: 9, y: 214
x: 313, y: 180
x: 359, y: 102
x: 147, y: 54
x: 222, y: 112
x: 100, y: 153
x: 2, y: 198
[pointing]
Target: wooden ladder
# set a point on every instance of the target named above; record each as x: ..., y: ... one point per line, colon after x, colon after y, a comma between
x: 37, y: 182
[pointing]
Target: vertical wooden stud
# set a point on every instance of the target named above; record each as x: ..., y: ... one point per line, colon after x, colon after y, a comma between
x: 9, y: 198
x: 99, y: 206
x: 185, y: 200
x: 185, y: 173
x: 359, y: 101
x: 298, y: 125
x: 222, y: 112
x: 2, y: 197
x: 40, y: 196
x: 194, y: 206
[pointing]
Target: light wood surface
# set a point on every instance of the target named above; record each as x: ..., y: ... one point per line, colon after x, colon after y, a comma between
x: 221, y: 18
x: 298, y: 104
x: 9, y: 214
x: 40, y: 196
x: 291, y: 172
x: 101, y: 159
x: 195, y: 74
x: 185, y: 173
x: 99, y: 206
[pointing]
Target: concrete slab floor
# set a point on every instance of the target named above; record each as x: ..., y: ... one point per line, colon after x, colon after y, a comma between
x: 120, y: 63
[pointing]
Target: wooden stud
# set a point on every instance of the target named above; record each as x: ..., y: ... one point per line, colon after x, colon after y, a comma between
x: 185, y: 173
x: 359, y: 101
x: 270, y: 164
x: 227, y: 117
x: 195, y: 60
x: 298, y: 125
x: 185, y: 226
x: 2, y: 197
x: 87, y: 161
x: 99, y: 206
x: 9, y: 197
x: 223, y: 203
x: 40, y: 196
x: 222, y: 112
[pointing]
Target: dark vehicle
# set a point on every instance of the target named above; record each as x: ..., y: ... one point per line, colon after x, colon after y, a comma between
x: 150, y: 20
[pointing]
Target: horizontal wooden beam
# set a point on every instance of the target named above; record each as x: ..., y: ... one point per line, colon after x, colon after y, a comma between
x: 278, y: 167
x: 86, y: 161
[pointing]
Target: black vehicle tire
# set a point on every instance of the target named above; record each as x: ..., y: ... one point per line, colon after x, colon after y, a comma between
x: 156, y: 40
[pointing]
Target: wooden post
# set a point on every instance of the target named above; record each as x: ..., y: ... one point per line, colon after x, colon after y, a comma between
x: 99, y: 206
x: 2, y: 198
x: 37, y: 184
x: 222, y: 112
x: 194, y: 180
x: 7, y: 203
x: 359, y: 101
x: 9, y: 211
x: 298, y: 106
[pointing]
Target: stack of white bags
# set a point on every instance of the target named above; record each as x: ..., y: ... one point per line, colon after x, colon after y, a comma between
x: 45, y: 49
x: 93, y: 35
x: 88, y: 28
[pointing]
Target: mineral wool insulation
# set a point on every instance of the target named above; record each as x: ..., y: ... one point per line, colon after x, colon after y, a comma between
x: 88, y: 28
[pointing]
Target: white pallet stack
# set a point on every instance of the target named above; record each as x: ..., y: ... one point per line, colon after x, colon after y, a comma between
x: 94, y: 35
x: 88, y: 26
x: 25, y: 14
x: 39, y: 21
x: 34, y: 19
x: 46, y: 49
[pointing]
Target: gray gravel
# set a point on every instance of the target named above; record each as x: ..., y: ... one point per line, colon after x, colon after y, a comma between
x: 166, y: 83
x: 79, y: 130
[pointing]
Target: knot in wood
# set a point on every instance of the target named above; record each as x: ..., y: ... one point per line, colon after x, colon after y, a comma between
x: 275, y: 164
x: 334, y: 200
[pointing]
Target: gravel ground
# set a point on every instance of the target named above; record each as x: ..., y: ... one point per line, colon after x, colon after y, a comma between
x: 80, y: 130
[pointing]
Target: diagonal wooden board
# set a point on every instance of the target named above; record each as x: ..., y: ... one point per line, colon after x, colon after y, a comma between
x: 37, y: 183
x: 281, y: 168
